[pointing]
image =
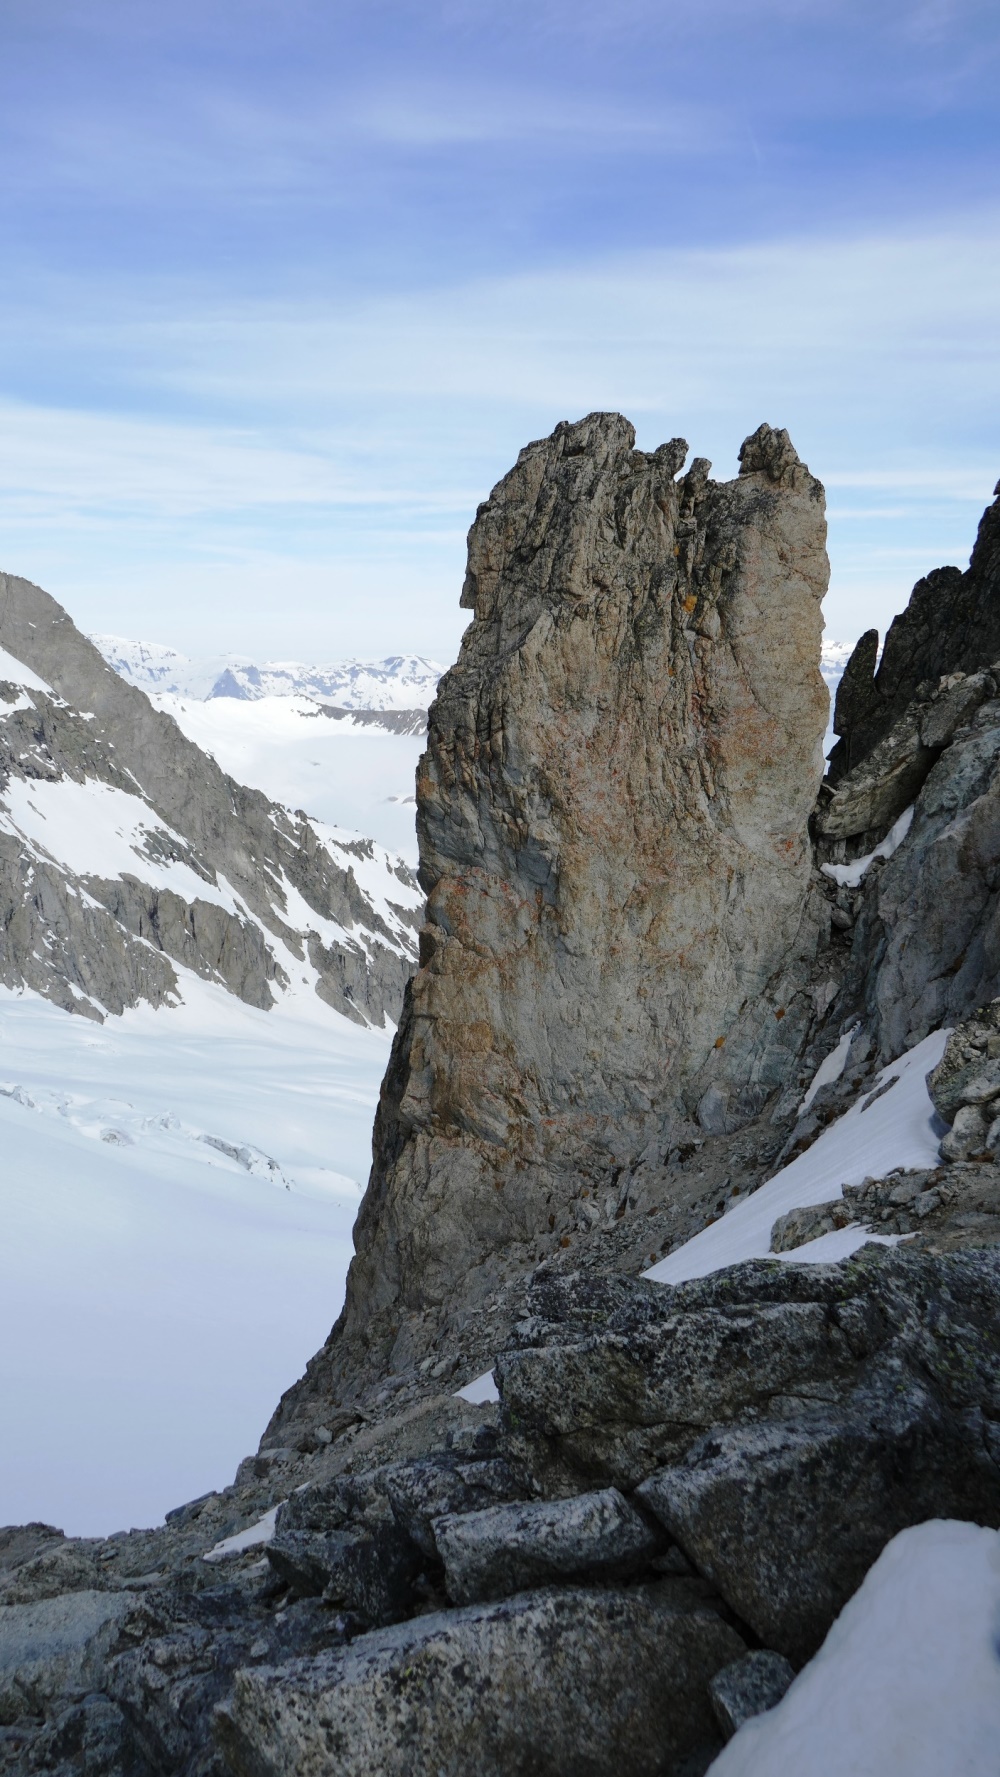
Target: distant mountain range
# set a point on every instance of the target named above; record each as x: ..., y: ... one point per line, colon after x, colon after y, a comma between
x: 401, y: 682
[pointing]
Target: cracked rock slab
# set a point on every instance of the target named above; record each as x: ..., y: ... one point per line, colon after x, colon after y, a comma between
x: 540, y: 1685
x: 508, y: 1548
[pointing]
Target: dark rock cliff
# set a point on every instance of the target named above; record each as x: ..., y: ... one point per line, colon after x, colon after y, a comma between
x: 951, y: 624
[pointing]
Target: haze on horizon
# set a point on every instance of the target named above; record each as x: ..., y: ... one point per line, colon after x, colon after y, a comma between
x: 287, y: 287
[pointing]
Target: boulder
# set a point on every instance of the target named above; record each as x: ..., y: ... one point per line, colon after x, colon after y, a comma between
x: 342, y: 1540
x: 797, y: 1226
x: 947, y: 1209
x: 539, y: 1685
x: 607, y: 1406
x: 509, y: 1548
x: 422, y: 1492
x: 749, y: 1686
x: 59, y: 1648
x: 371, y: 1574
x: 969, y: 1070
x: 796, y: 1417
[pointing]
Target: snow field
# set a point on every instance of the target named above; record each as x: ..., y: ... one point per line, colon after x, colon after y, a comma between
x: 359, y: 780
x: 157, y: 1294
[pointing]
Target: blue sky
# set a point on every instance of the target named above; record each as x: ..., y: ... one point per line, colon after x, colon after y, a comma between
x: 285, y: 287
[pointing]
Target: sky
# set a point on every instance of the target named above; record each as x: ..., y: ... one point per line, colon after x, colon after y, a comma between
x: 286, y: 285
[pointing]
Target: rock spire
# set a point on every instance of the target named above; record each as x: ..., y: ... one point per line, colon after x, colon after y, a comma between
x: 612, y: 813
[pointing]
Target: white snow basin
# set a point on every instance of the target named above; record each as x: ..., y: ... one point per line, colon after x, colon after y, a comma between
x: 157, y: 1296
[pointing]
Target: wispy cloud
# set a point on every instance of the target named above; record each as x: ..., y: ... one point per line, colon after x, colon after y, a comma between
x: 367, y: 431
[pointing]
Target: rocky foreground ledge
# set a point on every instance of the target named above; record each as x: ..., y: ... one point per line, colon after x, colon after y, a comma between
x: 678, y: 1492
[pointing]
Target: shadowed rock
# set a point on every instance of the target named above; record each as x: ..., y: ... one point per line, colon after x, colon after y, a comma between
x: 951, y: 624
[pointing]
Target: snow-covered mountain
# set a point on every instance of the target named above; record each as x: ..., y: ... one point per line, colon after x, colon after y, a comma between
x: 401, y: 682
x: 184, y: 1160
x: 833, y: 659
x: 125, y: 849
x: 352, y: 770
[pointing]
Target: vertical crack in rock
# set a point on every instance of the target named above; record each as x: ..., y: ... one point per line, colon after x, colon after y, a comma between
x: 612, y: 813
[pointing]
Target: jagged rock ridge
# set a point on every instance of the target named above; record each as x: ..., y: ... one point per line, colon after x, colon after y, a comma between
x: 951, y: 624
x: 924, y: 924
x: 214, y: 875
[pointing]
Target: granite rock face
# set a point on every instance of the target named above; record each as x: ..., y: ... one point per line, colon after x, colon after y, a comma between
x: 612, y: 814
x: 537, y: 1686
x: 255, y: 893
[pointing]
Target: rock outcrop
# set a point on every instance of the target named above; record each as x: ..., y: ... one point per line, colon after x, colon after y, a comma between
x: 679, y: 1491
x: 612, y: 814
x: 951, y: 624
x: 215, y: 877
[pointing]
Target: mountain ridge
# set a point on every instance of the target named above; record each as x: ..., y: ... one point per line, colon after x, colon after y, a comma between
x: 212, y: 874
x: 399, y: 682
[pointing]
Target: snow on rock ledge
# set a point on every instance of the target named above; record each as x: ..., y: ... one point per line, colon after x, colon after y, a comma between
x: 907, y: 1682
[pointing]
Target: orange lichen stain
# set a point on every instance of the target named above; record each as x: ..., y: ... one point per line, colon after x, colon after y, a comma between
x: 718, y: 1042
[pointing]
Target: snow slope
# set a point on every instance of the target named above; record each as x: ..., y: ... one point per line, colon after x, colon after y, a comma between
x: 907, y: 1682
x: 400, y: 682
x: 350, y: 775
x: 178, y: 1192
x: 898, y: 1129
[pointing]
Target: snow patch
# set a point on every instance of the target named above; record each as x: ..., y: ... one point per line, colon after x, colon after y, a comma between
x: 829, y: 1070
x: 851, y: 875
x: 256, y: 1536
x: 907, y: 1682
x: 898, y: 1129
x: 481, y: 1388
